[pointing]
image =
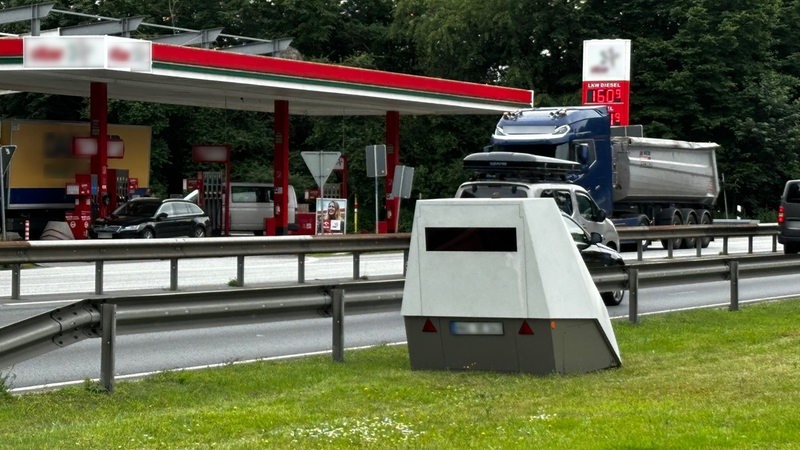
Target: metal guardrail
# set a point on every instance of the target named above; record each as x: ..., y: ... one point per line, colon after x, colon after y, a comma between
x: 106, y: 317
x: 17, y: 253
x: 669, y: 233
x: 635, y: 276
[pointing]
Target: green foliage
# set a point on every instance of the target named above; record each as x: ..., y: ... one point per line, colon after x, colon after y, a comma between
x: 93, y: 387
x: 705, y: 70
x: 5, y: 385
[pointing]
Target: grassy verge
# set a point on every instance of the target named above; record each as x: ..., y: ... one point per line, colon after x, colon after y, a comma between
x: 701, y: 379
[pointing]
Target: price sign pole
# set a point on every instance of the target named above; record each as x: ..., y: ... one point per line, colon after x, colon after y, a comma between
x: 376, y: 167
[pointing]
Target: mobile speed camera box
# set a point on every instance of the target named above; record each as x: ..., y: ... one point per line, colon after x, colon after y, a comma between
x: 498, y: 284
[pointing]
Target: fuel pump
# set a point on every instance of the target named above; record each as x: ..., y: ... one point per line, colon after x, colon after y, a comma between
x: 80, y: 219
x: 118, y: 188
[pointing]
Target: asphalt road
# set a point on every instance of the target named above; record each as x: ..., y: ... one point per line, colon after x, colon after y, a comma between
x: 46, y: 288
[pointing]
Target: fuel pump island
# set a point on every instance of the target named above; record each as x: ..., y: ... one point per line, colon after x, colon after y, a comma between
x: 498, y: 284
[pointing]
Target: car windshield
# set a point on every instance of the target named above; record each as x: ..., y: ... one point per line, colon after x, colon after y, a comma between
x: 577, y: 233
x: 138, y: 209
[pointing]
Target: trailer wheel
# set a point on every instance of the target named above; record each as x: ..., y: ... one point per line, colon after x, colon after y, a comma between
x: 689, y: 218
x: 671, y: 216
x: 705, y: 219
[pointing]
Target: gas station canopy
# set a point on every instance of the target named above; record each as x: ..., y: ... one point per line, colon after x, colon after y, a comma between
x: 138, y: 70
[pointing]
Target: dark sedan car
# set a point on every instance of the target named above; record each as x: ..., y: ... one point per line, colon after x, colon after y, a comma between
x: 789, y: 218
x: 147, y: 217
x: 595, y: 255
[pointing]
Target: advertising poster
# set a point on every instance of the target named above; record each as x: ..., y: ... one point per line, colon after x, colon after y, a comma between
x: 331, y: 216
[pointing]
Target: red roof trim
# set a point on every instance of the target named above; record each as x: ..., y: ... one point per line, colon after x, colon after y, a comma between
x: 303, y: 69
x: 11, y: 47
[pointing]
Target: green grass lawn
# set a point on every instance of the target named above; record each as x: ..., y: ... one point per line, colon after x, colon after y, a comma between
x: 701, y: 379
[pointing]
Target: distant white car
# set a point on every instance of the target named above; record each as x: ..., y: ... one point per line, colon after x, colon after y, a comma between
x: 572, y: 199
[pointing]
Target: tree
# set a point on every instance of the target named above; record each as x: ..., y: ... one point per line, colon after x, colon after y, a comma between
x: 702, y: 70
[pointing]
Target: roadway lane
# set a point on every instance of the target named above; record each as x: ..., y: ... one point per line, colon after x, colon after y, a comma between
x: 144, y: 353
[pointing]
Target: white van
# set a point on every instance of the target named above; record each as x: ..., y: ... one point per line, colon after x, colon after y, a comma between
x: 574, y: 200
x: 251, y: 203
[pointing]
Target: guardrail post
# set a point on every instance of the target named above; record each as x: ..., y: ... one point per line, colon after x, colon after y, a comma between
x: 749, y: 244
x: 639, y: 249
x: 405, y: 262
x: 356, y: 265
x: 734, y: 274
x: 301, y: 268
x: 173, y: 274
x: 338, y: 325
x: 15, y: 274
x: 108, y: 317
x: 724, y: 246
x: 240, y: 271
x: 699, y: 245
x: 670, y: 248
x: 774, y: 243
x: 98, y: 277
x: 633, y: 295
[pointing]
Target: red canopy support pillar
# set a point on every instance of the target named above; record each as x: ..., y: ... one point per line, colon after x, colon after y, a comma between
x: 99, y: 130
x: 281, y: 163
x: 392, y: 160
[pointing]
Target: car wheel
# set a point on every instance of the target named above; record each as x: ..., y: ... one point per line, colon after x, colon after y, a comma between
x: 613, y: 298
x: 199, y: 232
x: 147, y: 233
x: 790, y: 248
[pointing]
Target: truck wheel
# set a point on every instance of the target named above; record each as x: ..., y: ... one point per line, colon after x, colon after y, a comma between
x: 671, y: 216
x: 147, y: 233
x: 705, y: 219
x: 612, y: 298
x: 689, y: 218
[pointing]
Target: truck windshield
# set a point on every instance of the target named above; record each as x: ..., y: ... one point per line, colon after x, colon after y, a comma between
x: 564, y: 150
x: 495, y: 191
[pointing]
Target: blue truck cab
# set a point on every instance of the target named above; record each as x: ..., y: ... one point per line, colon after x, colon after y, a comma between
x: 581, y: 134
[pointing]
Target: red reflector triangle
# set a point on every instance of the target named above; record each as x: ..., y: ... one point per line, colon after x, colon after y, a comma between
x: 429, y: 327
x: 525, y: 329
